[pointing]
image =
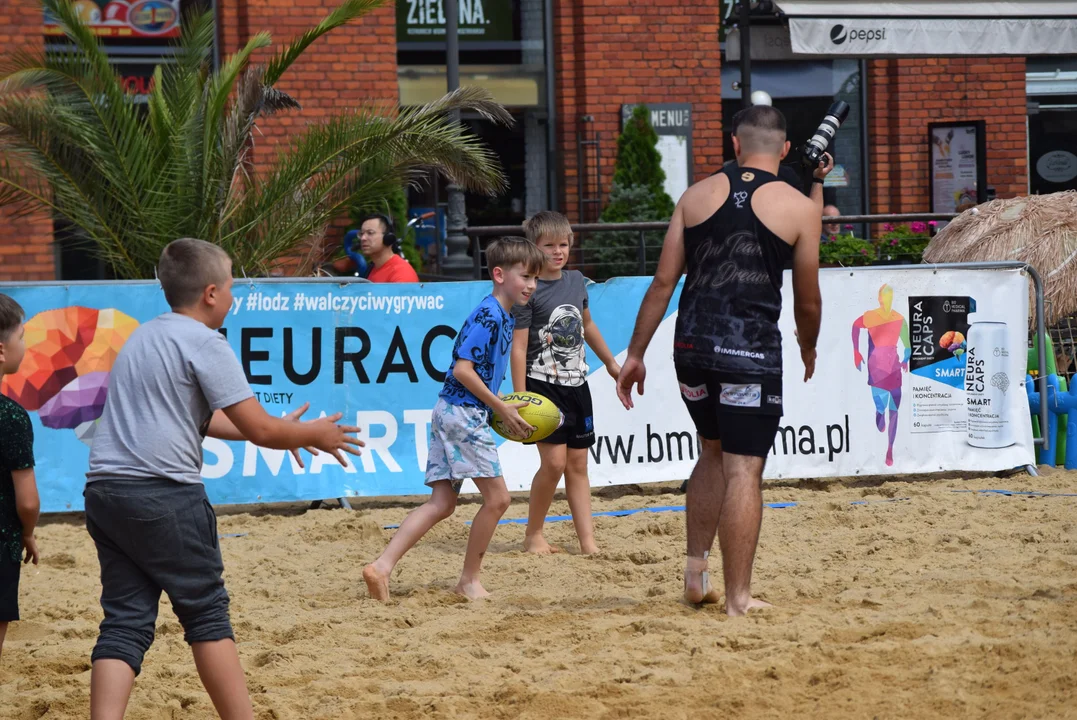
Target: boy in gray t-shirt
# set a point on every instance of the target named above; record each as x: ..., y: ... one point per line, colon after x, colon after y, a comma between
x: 549, y: 358
x: 175, y: 381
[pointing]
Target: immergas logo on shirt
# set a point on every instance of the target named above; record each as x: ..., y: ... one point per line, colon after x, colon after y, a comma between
x: 839, y: 34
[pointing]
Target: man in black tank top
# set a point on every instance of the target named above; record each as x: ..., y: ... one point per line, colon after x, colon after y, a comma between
x: 733, y: 234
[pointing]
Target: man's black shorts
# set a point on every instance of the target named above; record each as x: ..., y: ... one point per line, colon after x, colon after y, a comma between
x: 578, y: 430
x: 741, y: 411
x: 9, y: 590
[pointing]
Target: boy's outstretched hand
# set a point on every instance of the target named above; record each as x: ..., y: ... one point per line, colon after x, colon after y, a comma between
x: 333, y: 438
x: 294, y: 416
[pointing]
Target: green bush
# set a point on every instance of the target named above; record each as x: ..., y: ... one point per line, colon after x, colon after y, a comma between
x: 904, y: 242
x: 846, y: 250
x: 638, y: 195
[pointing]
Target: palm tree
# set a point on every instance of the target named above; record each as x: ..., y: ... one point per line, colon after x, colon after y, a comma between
x: 132, y: 179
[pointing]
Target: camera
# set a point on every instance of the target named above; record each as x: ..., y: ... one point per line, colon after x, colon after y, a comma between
x: 812, y: 151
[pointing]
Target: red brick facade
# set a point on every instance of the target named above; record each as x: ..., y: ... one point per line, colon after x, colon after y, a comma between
x: 352, y: 65
x: 26, y: 249
x: 904, y: 95
x: 601, y: 65
x: 607, y: 53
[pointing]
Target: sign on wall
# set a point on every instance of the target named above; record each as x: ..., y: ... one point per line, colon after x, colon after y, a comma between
x: 673, y: 124
x: 479, y: 20
x: 958, y: 169
x: 890, y: 394
x: 123, y: 19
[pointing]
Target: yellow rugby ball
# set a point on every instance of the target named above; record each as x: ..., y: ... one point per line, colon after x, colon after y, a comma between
x: 540, y: 413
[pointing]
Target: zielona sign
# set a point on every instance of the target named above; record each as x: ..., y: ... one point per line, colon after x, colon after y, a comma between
x: 479, y: 20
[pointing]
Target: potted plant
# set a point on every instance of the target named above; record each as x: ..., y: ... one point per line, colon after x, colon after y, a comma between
x: 903, y: 244
x: 846, y: 250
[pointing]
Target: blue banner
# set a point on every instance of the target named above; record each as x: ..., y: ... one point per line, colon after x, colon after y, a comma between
x: 377, y: 353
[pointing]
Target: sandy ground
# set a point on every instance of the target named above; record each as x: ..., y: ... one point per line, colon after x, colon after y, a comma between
x: 922, y: 603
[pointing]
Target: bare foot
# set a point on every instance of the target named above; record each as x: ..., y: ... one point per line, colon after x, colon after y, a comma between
x: 539, y: 546
x: 377, y: 584
x: 752, y: 604
x: 697, y: 588
x: 588, y: 548
x: 472, y: 590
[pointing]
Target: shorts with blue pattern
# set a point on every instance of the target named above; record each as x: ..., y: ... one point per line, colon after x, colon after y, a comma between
x: 462, y: 445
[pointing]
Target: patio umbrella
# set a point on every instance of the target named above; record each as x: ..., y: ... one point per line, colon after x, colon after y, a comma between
x: 1040, y: 230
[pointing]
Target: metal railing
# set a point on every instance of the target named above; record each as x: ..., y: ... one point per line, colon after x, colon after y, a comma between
x: 641, y: 257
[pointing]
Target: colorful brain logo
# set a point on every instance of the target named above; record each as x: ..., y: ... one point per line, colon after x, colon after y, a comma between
x: 69, y: 355
x: 953, y: 341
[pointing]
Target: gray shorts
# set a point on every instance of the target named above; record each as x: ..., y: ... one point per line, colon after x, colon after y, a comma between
x: 155, y: 535
x: 462, y: 445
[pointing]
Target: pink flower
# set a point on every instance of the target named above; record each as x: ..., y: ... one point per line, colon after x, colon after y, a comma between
x: 918, y: 227
x: 848, y: 227
x: 863, y: 251
x: 894, y: 241
x: 888, y: 227
x: 933, y: 223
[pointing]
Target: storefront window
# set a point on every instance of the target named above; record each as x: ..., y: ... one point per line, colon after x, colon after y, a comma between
x: 1052, y: 124
x: 804, y: 91
x: 502, y: 49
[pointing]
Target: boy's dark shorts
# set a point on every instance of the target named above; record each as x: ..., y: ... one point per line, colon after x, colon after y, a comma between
x: 155, y: 535
x: 742, y: 411
x: 9, y: 590
x: 578, y: 430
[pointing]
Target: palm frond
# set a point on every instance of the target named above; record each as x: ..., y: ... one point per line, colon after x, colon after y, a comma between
x: 346, y: 12
x: 130, y: 181
x: 353, y: 157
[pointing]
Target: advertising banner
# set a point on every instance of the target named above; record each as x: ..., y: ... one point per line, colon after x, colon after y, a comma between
x: 931, y: 36
x: 890, y: 392
x: 123, y: 19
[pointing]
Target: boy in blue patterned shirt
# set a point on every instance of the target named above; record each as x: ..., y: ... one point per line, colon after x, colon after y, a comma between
x: 19, y: 504
x: 461, y: 442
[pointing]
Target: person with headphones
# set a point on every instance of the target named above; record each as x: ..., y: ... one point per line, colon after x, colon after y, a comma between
x: 379, y: 244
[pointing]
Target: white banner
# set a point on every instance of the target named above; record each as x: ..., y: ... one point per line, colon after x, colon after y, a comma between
x: 832, y: 424
x: 934, y: 37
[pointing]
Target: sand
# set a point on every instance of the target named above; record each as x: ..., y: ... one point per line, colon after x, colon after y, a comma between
x: 922, y: 603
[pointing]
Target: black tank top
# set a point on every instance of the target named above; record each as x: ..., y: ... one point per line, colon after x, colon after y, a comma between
x: 732, y: 296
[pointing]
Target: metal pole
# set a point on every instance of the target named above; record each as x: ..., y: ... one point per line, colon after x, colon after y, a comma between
x: 552, y: 200
x: 456, y: 260
x: 641, y: 254
x: 1041, y: 352
x: 745, y: 31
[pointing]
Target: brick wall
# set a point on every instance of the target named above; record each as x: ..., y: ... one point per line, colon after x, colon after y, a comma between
x: 351, y: 66
x: 614, y: 52
x: 904, y: 95
x: 26, y: 249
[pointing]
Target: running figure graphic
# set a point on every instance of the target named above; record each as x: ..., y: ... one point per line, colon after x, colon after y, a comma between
x: 885, y: 327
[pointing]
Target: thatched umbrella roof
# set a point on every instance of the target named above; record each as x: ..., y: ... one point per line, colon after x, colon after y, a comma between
x: 1040, y: 230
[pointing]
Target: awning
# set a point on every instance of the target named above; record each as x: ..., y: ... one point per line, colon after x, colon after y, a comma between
x: 903, y: 29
